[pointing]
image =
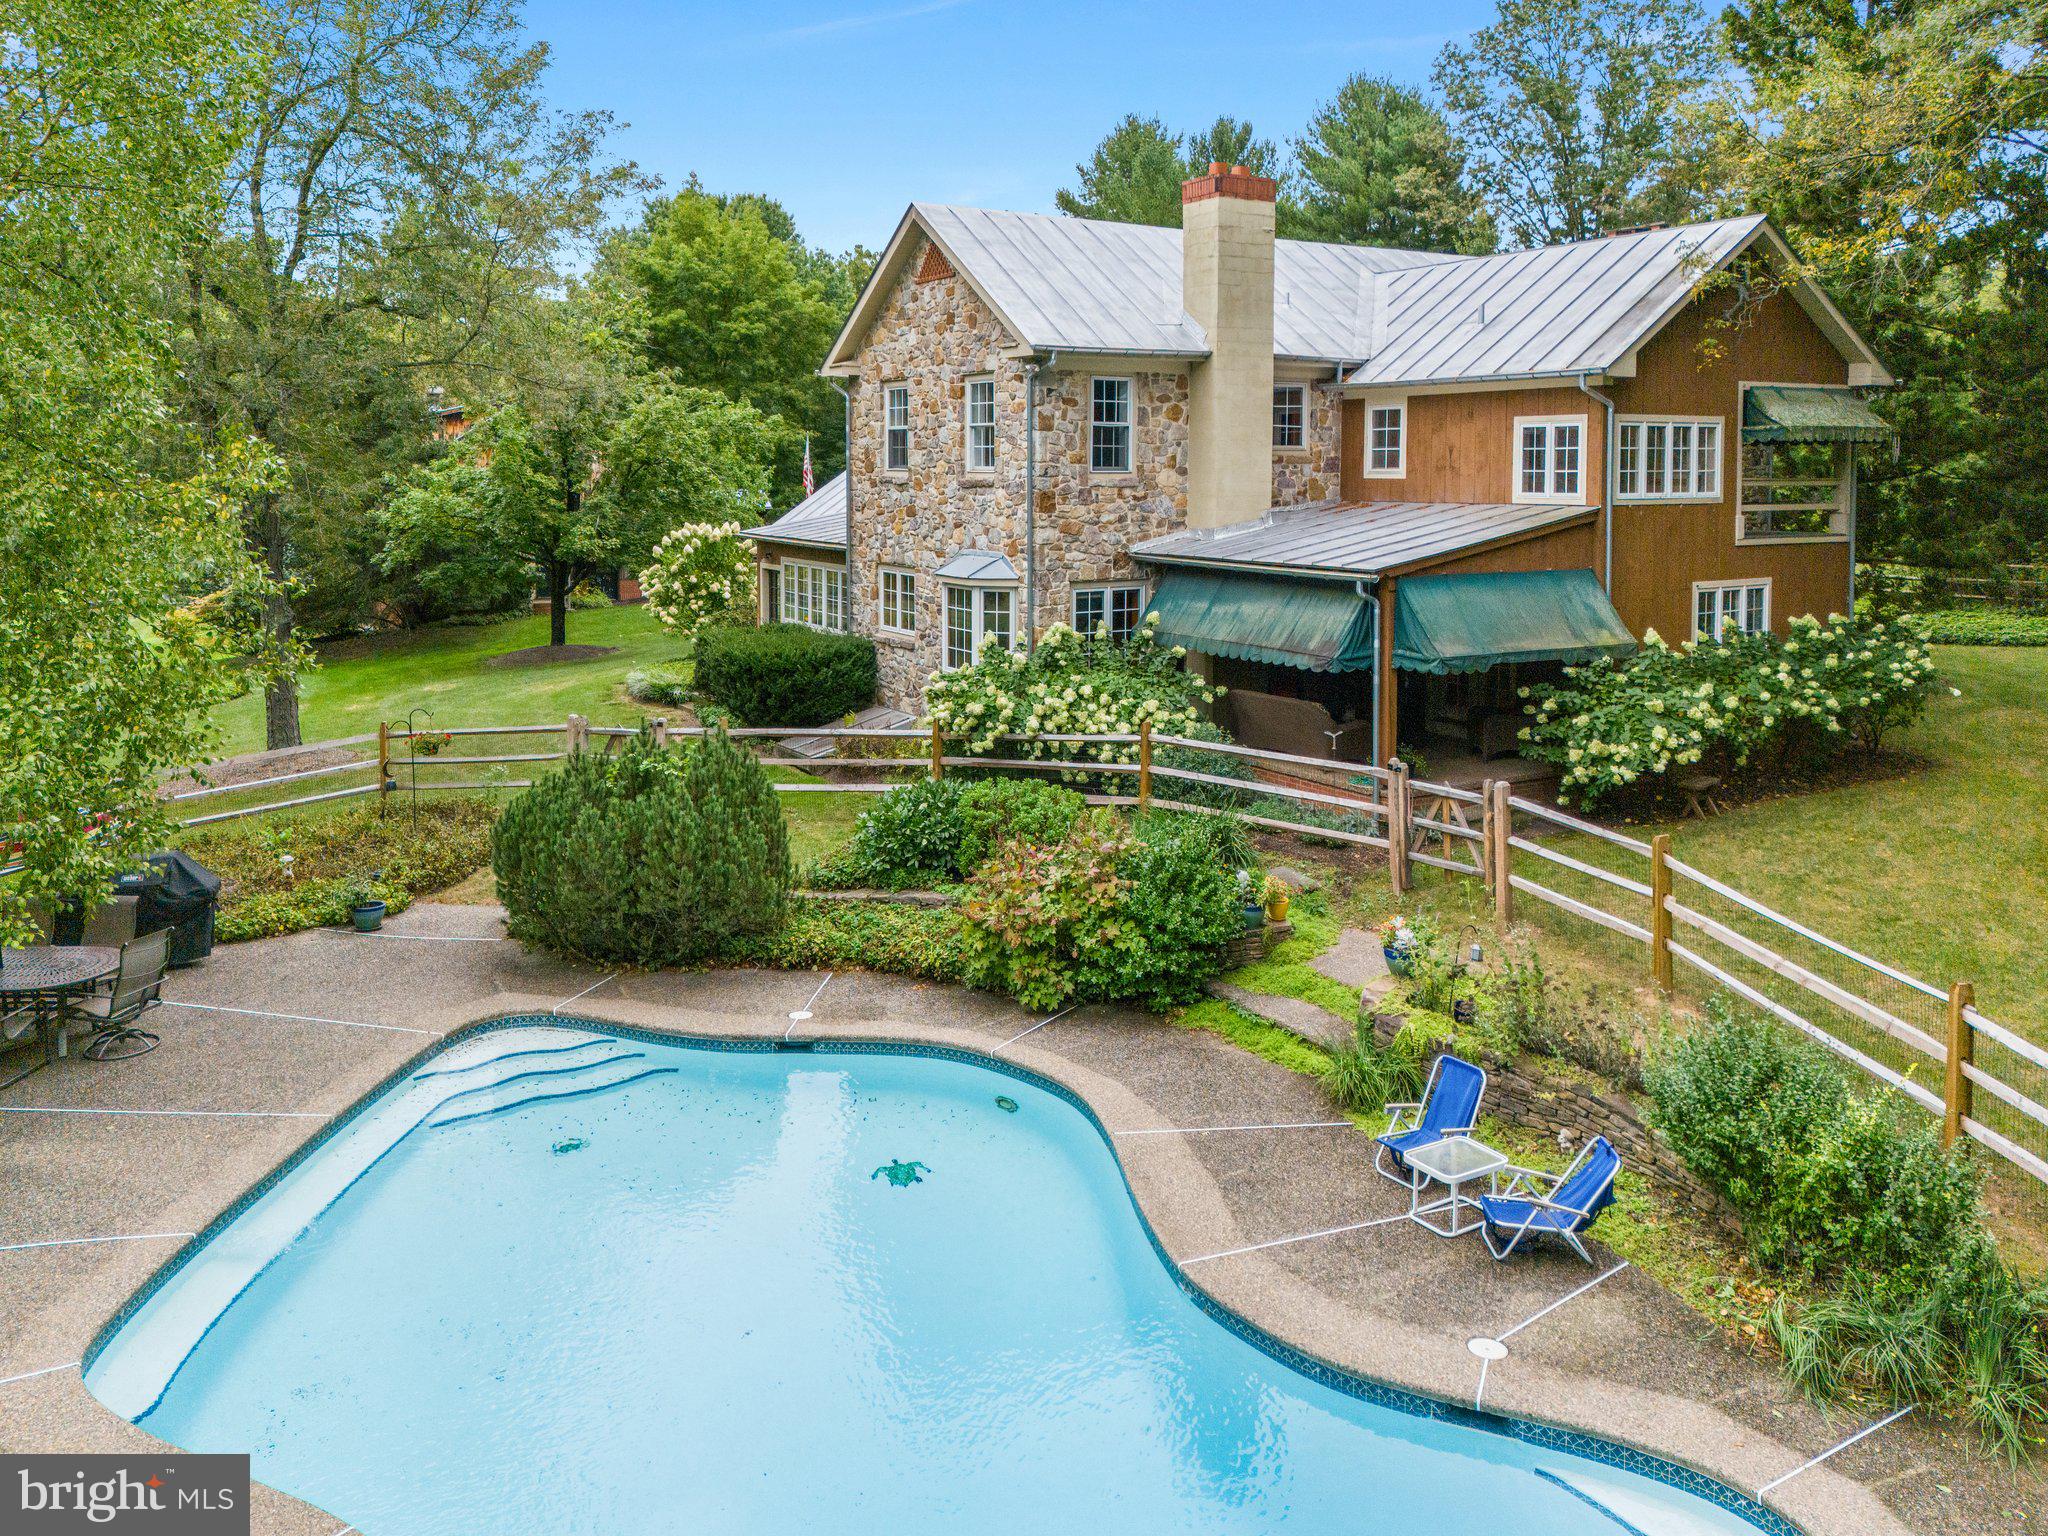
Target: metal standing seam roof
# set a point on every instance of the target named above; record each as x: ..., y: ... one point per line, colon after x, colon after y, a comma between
x: 818, y: 520
x: 1361, y: 540
x: 1086, y: 285
x: 983, y: 565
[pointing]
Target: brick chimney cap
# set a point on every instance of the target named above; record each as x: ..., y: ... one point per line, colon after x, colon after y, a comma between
x: 1238, y: 170
x: 1216, y: 167
x: 1228, y: 181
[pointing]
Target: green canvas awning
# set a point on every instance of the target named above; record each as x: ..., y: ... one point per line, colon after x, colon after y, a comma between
x: 1321, y: 626
x: 1784, y: 413
x: 1470, y: 623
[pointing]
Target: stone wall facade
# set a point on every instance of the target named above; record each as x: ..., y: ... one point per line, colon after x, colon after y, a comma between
x: 932, y: 335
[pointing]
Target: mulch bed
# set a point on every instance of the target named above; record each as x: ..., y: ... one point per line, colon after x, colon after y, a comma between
x: 543, y: 655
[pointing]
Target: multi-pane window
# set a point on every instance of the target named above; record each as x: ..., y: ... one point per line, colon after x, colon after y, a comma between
x: 1547, y: 460
x: 813, y: 594
x: 981, y: 425
x: 1719, y: 606
x: 1109, y: 426
x: 1795, y: 490
x: 1290, y: 416
x: 1385, y: 433
x: 896, y: 427
x: 899, y: 601
x: 1668, y: 458
x: 1117, y: 609
x: 977, y: 617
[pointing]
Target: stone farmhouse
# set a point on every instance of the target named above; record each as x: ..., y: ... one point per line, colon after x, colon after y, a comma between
x: 1373, y: 491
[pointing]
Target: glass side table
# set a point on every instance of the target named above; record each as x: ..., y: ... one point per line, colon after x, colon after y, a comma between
x: 1453, y: 1162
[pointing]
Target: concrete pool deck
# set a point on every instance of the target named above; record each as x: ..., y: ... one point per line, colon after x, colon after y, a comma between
x: 267, y: 1041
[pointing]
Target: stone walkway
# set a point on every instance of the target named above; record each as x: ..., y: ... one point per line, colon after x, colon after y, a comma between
x: 306, y: 1026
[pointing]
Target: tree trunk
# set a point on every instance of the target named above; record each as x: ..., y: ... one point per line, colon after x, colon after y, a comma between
x: 558, y: 603
x: 280, y: 695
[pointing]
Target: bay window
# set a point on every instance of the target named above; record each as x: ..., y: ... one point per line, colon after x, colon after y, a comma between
x: 975, y: 617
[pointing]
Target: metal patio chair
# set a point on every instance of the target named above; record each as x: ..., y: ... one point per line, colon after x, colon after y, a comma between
x: 112, y: 1015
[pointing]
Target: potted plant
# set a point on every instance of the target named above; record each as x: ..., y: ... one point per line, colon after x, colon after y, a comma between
x: 1251, y: 897
x: 365, y: 906
x: 430, y: 743
x: 1397, y: 943
x: 1277, y: 898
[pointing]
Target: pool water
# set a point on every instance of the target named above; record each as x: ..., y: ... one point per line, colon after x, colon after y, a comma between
x: 559, y: 1281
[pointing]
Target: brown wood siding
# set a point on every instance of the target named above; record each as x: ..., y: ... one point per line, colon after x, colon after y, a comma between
x: 1661, y: 549
x: 768, y: 553
x: 1462, y: 447
x: 1562, y: 549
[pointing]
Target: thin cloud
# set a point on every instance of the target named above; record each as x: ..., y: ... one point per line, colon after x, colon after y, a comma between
x: 860, y: 23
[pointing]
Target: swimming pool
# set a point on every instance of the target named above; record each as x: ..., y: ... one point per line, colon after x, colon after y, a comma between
x: 567, y: 1279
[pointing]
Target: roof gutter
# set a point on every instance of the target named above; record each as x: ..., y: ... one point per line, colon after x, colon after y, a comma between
x: 1031, y: 370
x: 1607, y: 482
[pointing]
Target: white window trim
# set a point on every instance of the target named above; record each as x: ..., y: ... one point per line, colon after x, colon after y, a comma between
x: 882, y: 607
x: 1733, y: 584
x: 1143, y: 589
x: 976, y: 609
x: 1653, y: 419
x: 1844, y: 487
x: 1130, y: 424
x: 1400, y: 469
x: 1546, y: 497
x: 1300, y: 389
x: 967, y: 464
x: 889, y: 389
x: 828, y: 572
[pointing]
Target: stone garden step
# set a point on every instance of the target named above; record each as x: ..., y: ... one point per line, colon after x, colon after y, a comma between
x: 1357, y: 960
x: 1316, y: 1025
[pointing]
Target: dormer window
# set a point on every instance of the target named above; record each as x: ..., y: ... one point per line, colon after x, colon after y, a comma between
x: 896, y: 427
x: 1290, y: 416
x: 1109, y: 427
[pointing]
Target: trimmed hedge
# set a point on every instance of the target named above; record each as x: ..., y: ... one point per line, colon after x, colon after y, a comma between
x: 785, y: 674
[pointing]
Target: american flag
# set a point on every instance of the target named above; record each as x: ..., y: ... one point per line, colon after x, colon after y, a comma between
x: 810, y: 480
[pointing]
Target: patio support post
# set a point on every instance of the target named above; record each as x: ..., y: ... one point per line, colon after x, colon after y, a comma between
x: 938, y: 753
x: 383, y: 763
x: 1503, y: 855
x: 1660, y: 910
x: 577, y: 732
x: 1398, y: 812
x: 1144, y: 765
x: 1386, y: 692
x: 1956, y: 1088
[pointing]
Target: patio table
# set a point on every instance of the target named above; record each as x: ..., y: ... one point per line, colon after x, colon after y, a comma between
x: 1453, y: 1162
x: 40, y: 978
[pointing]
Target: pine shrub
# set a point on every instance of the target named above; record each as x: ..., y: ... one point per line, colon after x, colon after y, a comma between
x: 655, y: 857
x: 785, y: 674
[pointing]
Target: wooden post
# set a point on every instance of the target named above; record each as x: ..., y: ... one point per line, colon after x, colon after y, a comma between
x: 1956, y: 1087
x: 1144, y: 766
x: 1503, y: 855
x: 1660, y: 910
x: 1486, y: 865
x: 938, y: 754
x: 661, y: 732
x: 383, y: 763
x: 577, y: 732
x: 1397, y: 824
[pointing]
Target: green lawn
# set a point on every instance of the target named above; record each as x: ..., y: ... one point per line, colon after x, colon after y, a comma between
x: 362, y: 681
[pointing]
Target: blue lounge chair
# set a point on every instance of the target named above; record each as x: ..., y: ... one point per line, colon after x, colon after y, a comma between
x: 1449, y: 1107
x: 1558, y: 1205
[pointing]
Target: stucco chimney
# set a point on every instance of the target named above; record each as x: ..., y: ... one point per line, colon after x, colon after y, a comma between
x: 1226, y: 266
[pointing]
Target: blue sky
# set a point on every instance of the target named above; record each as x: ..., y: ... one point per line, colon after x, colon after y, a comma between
x: 846, y: 112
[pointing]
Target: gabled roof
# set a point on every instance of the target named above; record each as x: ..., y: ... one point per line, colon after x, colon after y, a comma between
x: 1395, y: 317
x: 1332, y: 539
x: 819, y: 520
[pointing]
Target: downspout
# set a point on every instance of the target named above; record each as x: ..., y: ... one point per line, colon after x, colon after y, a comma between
x: 846, y: 428
x: 1031, y: 370
x: 1607, y: 483
x: 846, y: 469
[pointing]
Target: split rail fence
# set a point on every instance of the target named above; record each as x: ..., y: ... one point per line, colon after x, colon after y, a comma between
x: 1931, y: 1043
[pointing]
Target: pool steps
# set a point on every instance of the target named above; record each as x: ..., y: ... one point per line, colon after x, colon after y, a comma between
x: 487, y: 1074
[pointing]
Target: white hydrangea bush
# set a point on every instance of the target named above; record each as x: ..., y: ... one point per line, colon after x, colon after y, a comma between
x: 1802, y: 701
x: 699, y: 574
x: 1072, y: 684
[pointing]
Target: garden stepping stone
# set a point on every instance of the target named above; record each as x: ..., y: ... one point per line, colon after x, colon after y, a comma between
x: 1316, y: 1025
x: 1357, y: 960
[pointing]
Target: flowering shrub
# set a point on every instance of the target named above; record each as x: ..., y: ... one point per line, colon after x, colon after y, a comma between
x: 699, y: 574
x: 1071, y: 684
x: 1101, y: 916
x: 1811, y: 696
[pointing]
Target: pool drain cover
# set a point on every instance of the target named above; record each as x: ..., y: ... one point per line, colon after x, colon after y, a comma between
x: 1487, y: 1349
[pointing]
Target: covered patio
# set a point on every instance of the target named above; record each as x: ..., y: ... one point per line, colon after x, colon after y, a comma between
x: 1355, y: 633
